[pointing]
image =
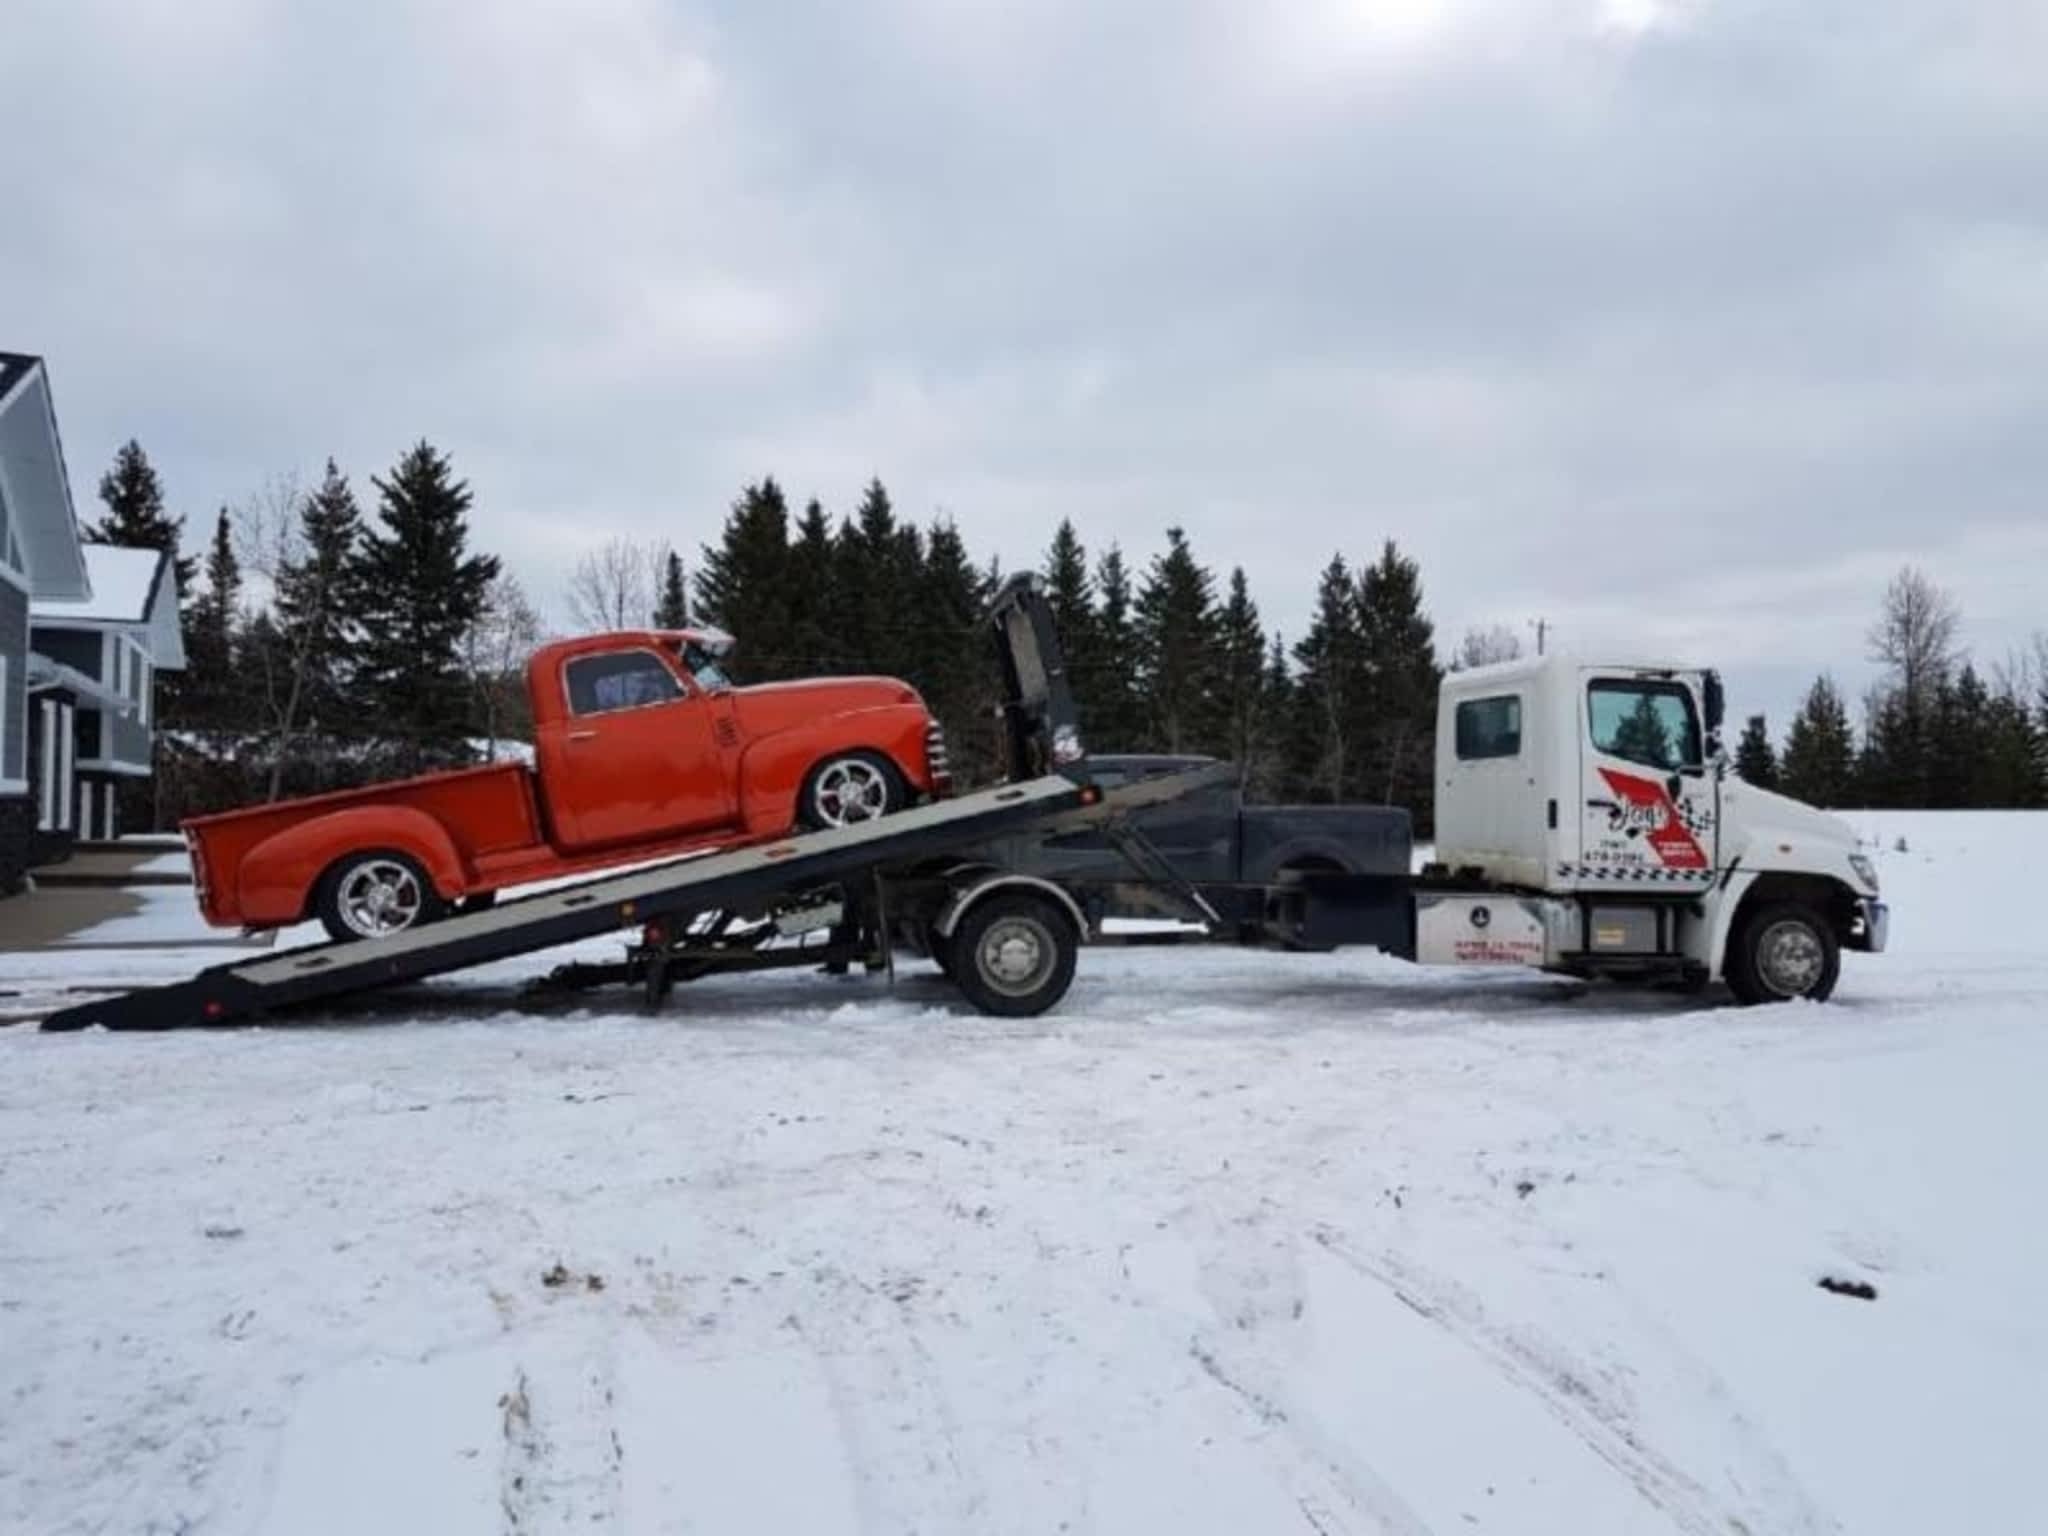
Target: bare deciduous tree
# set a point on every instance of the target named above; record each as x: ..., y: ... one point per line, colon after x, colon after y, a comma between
x: 1484, y: 647
x: 270, y: 536
x: 493, y: 652
x: 1915, y: 635
x: 615, y: 586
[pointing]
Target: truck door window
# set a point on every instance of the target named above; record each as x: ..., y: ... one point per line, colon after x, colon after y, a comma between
x: 1490, y: 727
x: 619, y: 680
x: 1645, y: 722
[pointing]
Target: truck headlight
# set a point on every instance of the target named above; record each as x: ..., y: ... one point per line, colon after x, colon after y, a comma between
x: 1865, y: 870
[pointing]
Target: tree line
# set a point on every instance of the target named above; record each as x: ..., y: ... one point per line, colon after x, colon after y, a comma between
x: 334, y: 638
x: 1937, y: 733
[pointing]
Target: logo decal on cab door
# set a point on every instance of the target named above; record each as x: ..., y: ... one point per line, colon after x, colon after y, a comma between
x: 1645, y: 809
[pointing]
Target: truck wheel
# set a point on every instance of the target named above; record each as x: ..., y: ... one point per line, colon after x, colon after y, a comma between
x: 1013, y: 954
x: 374, y: 895
x: 849, y: 789
x: 1783, y: 950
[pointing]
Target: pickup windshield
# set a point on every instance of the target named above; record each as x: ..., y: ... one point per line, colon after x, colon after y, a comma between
x: 704, y: 667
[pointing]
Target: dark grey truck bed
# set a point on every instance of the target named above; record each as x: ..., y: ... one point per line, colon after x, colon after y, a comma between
x: 1231, y: 851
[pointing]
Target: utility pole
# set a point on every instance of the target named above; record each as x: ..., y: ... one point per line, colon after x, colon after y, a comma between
x: 1542, y: 628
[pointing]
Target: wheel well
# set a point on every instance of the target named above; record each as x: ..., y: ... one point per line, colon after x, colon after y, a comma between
x: 1829, y: 897
x: 1310, y: 864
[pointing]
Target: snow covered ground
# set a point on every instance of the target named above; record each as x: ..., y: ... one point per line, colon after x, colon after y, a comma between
x: 1231, y: 1243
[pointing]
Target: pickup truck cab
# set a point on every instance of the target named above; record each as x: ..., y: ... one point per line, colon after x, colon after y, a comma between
x: 643, y: 749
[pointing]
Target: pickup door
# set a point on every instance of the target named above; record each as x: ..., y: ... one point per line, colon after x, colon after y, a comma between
x: 635, y: 756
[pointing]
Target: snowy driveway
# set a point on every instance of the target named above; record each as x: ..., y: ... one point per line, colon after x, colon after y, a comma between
x: 1232, y: 1243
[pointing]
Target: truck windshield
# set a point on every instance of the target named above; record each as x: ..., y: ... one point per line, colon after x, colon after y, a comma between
x: 705, y: 668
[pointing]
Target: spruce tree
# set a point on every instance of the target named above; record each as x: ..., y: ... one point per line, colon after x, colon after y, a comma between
x: 1819, y: 765
x: 672, y: 607
x: 1396, y: 726
x: 318, y: 601
x: 1248, y: 736
x: 1755, y: 761
x: 2013, y: 771
x: 1071, y: 595
x: 1329, y: 675
x: 420, y: 592
x: 809, y: 587
x: 1274, y: 780
x: 135, y: 516
x: 1118, y: 717
x: 1179, y: 650
x: 953, y: 671
x: 1958, y: 742
x: 210, y: 699
x: 742, y: 583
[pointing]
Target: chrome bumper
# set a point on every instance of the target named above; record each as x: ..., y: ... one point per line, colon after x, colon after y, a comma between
x: 1876, y: 921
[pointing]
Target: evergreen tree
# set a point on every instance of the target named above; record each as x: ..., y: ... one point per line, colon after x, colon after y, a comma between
x: 1071, y: 595
x: 1248, y: 734
x: 1640, y: 736
x: 953, y: 672
x: 809, y: 586
x: 1117, y: 718
x: 1329, y: 677
x: 1819, y: 765
x: 1755, y: 761
x: 1179, y: 650
x: 1273, y: 779
x: 1958, y: 741
x: 210, y: 696
x: 1395, y: 731
x: 420, y: 592
x: 874, y: 579
x: 2013, y: 771
x: 135, y: 516
x: 317, y: 602
x: 742, y: 583
x: 1892, y: 768
x: 672, y: 607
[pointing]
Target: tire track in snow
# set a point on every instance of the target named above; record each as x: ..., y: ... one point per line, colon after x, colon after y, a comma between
x: 1548, y: 1373
x: 562, y: 1464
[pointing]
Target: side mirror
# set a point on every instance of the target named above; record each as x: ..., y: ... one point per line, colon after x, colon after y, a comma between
x: 1717, y: 706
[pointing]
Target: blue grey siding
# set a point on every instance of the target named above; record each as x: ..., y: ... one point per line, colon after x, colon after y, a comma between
x: 14, y: 706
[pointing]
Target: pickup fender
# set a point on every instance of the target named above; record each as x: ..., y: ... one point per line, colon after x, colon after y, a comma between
x: 772, y: 769
x: 277, y: 876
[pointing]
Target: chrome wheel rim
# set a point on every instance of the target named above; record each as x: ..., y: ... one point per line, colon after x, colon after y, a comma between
x: 850, y: 791
x: 1790, y: 958
x: 379, y: 897
x: 1015, y: 955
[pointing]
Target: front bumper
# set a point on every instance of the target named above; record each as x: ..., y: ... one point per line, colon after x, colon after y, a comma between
x: 1873, y: 926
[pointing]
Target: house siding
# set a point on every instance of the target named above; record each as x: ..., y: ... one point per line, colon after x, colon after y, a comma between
x: 122, y: 740
x: 14, y: 705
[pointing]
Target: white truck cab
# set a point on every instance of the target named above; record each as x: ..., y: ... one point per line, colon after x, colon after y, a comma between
x: 1587, y: 822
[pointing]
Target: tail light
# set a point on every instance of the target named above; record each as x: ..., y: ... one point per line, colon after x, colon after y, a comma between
x: 938, y: 761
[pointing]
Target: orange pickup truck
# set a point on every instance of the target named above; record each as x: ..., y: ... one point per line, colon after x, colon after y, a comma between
x: 643, y: 750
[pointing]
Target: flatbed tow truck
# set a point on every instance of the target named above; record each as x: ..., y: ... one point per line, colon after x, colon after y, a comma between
x: 845, y: 895
x: 1586, y: 824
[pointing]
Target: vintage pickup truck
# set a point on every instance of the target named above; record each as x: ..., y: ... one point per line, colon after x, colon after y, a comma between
x: 643, y: 750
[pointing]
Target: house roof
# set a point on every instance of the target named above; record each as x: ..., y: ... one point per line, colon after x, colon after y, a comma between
x: 132, y: 589
x: 34, y: 482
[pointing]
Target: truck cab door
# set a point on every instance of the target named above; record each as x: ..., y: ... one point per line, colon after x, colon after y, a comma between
x: 636, y: 756
x: 1649, y: 815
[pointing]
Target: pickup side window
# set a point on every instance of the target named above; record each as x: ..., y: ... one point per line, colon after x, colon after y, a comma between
x: 1490, y: 727
x: 619, y: 680
x: 1644, y: 721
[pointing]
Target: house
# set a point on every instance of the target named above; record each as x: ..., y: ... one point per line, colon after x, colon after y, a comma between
x: 40, y: 558
x: 99, y: 657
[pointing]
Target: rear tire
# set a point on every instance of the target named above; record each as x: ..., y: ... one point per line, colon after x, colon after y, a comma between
x: 850, y: 788
x: 1782, y: 951
x: 1013, y: 954
x: 375, y: 894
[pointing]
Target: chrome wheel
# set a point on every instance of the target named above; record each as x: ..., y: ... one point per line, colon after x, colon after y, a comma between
x: 1790, y: 957
x: 1015, y: 955
x: 379, y: 897
x: 849, y: 791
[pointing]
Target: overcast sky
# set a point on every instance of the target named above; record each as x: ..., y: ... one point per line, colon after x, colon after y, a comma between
x: 1679, y: 324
